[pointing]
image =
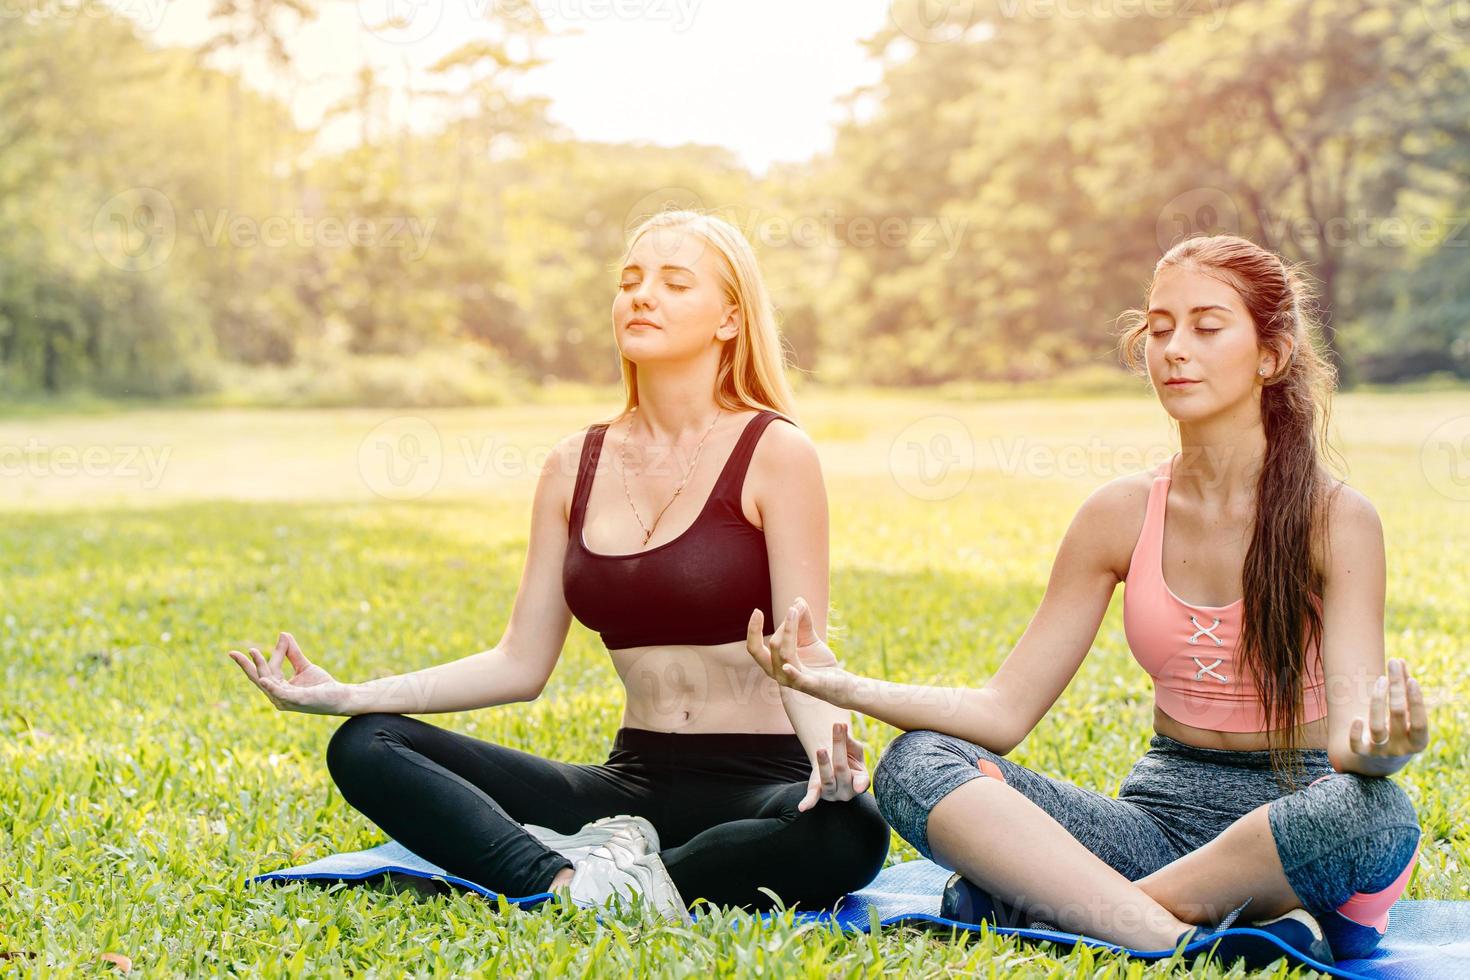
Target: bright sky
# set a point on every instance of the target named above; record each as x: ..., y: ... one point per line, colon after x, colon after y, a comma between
x: 762, y: 77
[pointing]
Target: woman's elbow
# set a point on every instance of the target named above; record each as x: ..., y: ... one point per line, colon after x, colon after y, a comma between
x: 1340, y: 754
x: 529, y: 691
x: 1004, y: 746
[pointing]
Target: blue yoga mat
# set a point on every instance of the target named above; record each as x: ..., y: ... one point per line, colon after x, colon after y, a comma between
x: 1425, y: 940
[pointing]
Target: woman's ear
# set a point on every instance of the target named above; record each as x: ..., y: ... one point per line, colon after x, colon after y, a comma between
x: 1288, y: 351
x: 731, y: 327
x: 1276, y: 358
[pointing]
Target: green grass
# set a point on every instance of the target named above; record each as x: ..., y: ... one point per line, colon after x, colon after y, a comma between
x: 142, y: 781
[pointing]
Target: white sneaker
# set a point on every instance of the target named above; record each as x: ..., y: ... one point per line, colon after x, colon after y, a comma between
x: 615, y: 869
x: 636, y: 833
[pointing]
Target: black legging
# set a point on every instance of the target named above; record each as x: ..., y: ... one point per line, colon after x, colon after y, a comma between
x: 724, y: 806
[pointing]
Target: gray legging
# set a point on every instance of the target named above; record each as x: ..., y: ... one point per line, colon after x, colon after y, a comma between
x: 1340, y: 837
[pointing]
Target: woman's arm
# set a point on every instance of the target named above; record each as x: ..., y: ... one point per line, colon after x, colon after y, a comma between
x: 1089, y: 563
x: 515, y: 669
x: 792, y: 500
x: 1376, y: 721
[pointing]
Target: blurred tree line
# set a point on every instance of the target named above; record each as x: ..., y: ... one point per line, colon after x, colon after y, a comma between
x: 989, y: 208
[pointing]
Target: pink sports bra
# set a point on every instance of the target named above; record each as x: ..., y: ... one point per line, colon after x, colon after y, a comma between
x: 1190, y: 651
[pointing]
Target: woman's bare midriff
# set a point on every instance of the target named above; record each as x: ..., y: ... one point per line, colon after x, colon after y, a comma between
x: 1312, y: 735
x: 699, y: 689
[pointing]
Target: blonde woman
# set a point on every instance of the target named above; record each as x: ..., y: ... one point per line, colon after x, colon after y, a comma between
x: 661, y: 529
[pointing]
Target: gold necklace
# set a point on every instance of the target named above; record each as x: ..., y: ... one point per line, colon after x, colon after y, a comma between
x: 623, y: 458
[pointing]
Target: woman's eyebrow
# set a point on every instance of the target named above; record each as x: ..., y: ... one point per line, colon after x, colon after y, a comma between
x: 1194, y: 309
x: 635, y: 267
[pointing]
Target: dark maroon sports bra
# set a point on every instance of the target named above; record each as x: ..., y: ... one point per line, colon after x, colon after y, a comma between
x: 697, y: 589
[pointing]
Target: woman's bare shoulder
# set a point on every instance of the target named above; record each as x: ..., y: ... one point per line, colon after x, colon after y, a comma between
x: 1111, y: 518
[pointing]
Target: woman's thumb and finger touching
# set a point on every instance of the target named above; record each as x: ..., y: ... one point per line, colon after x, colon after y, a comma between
x: 278, y: 655
x: 265, y: 673
x: 294, y: 654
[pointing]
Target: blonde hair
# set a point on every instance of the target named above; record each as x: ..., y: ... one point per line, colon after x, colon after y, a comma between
x: 752, y: 371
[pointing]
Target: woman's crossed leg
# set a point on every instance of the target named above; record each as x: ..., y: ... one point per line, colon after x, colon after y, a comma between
x: 1140, y: 869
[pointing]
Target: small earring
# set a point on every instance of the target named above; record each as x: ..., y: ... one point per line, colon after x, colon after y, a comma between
x: 1262, y: 372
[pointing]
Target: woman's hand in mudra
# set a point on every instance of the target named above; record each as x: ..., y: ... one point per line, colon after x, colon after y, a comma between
x: 796, y: 657
x: 1397, y: 726
x: 840, y: 773
x: 310, y: 688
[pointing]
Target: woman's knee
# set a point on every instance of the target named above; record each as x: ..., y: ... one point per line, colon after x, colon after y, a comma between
x: 1387, y: 800
x: 1394, y: 824
x: 914, y: 755
x: 868, y: 833
x: 854, y: 837
x: 1388, y: 824
x: 357, y: 745
x: 1347, y: 834
x: 1375, y: 809
x: 919, y: 769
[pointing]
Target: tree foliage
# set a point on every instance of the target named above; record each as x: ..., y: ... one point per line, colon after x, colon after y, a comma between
x: 992, y: 204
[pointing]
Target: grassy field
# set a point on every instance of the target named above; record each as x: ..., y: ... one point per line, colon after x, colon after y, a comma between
x: 142, y: 780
